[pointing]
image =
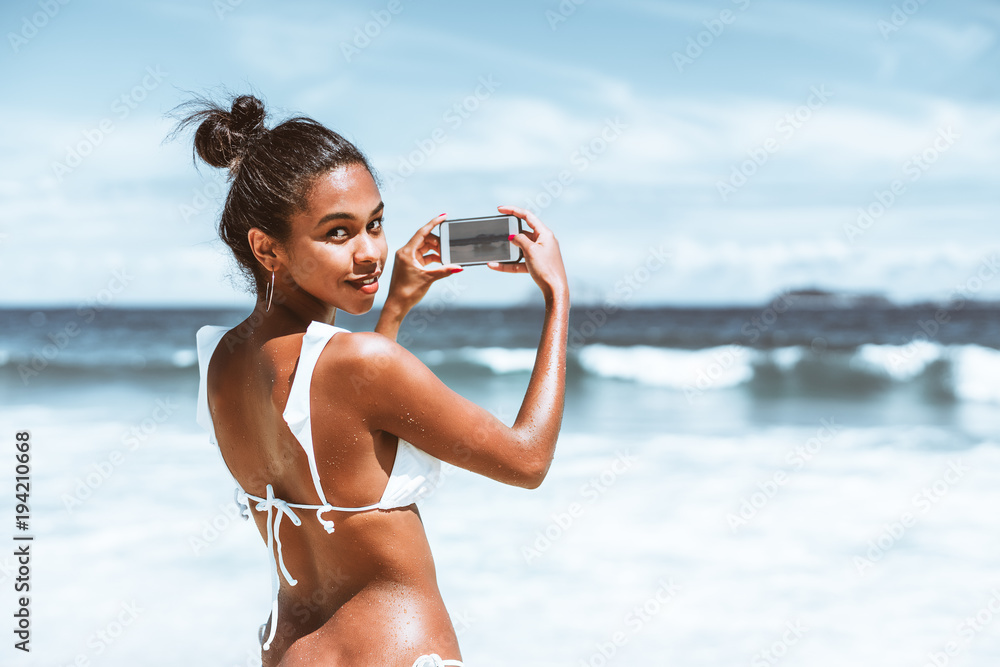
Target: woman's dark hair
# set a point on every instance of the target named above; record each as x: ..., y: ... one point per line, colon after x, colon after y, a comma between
x: 270, y: 170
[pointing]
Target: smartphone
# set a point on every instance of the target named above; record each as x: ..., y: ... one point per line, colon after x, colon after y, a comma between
x: 468, y: 241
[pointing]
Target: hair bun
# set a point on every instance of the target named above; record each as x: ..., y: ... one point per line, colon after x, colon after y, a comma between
x: 223, y: 137
x: 248, y: 116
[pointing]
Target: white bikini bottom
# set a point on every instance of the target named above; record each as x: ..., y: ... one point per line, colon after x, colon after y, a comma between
x: 434, y: 660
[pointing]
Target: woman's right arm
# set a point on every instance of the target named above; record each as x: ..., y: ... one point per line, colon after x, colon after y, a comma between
x: 400, y: 395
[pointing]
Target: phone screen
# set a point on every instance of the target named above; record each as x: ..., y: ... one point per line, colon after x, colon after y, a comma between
x: 479, y: 241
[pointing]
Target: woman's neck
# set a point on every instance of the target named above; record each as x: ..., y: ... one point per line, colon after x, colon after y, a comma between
x: 293, y: 308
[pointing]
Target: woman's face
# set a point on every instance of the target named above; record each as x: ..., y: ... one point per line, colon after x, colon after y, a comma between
x: 337, y: 249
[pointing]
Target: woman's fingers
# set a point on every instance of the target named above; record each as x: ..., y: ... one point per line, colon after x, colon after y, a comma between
x: 446, y: 270
x: 428, y: 246
x: 534, y: 223
x: 432, y: 275
x: 521, y: 241
x: 432, y: 223
x: 424, y: 233
x: 423, y: 247
x: 508, y: 267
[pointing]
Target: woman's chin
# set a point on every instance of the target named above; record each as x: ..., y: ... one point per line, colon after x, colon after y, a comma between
x: 357, y: 306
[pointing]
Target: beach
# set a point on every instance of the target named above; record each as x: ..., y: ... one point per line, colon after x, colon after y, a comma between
x: 805, y: 484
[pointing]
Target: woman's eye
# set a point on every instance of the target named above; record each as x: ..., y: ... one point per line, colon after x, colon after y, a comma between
x: 337, y: 233
x: 375, y: 225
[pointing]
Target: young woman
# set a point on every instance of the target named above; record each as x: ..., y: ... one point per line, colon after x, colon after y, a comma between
x: 332, y: 436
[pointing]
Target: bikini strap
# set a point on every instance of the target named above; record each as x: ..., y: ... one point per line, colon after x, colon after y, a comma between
x: 297, y: 413
x: 207, y: 338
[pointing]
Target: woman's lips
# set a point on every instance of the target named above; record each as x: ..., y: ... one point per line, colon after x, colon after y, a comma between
x: 366, y: 285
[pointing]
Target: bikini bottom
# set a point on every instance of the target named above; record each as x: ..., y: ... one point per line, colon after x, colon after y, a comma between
x: 434, y: 660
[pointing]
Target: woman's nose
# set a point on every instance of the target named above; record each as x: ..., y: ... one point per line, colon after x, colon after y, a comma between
x: 367, y: 251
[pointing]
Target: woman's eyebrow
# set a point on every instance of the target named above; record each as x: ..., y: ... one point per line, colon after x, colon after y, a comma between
x: 347, y: 216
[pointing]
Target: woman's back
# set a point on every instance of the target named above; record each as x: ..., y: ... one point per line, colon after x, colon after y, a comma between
x: 340, y: 576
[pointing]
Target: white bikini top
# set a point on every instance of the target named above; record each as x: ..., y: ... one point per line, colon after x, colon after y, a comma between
x: 415, y: 473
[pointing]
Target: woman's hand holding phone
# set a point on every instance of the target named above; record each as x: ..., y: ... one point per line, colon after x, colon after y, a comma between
x: 542, y: 258
x: 411, y: 278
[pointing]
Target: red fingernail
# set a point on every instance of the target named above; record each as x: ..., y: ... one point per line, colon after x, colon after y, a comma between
x: 511, y: 237
x: 440, y: 214
x: 457, y: 270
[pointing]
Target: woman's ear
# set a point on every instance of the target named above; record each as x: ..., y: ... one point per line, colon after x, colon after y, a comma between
x: 264, y: 248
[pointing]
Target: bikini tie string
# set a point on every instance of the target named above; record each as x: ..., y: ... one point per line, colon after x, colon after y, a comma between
x: 269, y: 505
x: 244, y: 503
x: 327, y: 523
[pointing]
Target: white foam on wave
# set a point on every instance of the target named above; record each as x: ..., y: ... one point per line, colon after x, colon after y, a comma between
x: 974, y: 367
x: 500, y: 360
x: 184, y: 358
x: 975, y: 370
x: 713, y: 367
x: 786, y: 358
x: 899, y: 362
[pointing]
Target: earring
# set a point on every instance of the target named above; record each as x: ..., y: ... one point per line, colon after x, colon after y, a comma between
x: 269, y: 295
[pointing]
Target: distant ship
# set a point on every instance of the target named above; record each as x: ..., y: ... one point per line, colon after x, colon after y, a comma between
x: 819, y: 298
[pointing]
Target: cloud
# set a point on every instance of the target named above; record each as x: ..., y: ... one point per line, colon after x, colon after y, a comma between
x: 728, y: 271
x: 134, y: 200
x: 682, y: 140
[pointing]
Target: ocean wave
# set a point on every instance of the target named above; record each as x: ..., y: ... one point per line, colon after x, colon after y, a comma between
x: 901, y: 363
x: 976, y: 371
x: 496, y: 360
x: 724, y: 366
x: 959, y: 372
x: 184, y: 358
x: 964, y: 372
x: 97, y: 363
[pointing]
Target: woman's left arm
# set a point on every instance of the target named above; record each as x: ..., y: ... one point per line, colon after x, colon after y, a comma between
x: 411, y: 278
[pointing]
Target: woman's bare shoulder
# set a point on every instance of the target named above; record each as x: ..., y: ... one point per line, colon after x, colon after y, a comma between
x: 359, y: 360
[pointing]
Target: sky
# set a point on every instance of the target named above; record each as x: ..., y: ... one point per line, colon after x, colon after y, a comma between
x: 684, y: 153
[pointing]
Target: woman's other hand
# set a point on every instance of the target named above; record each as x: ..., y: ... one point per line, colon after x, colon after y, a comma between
x: 542, y: 258
x: 411, y: 277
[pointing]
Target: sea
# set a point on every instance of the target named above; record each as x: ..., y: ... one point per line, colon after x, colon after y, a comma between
x: 812, y: 481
